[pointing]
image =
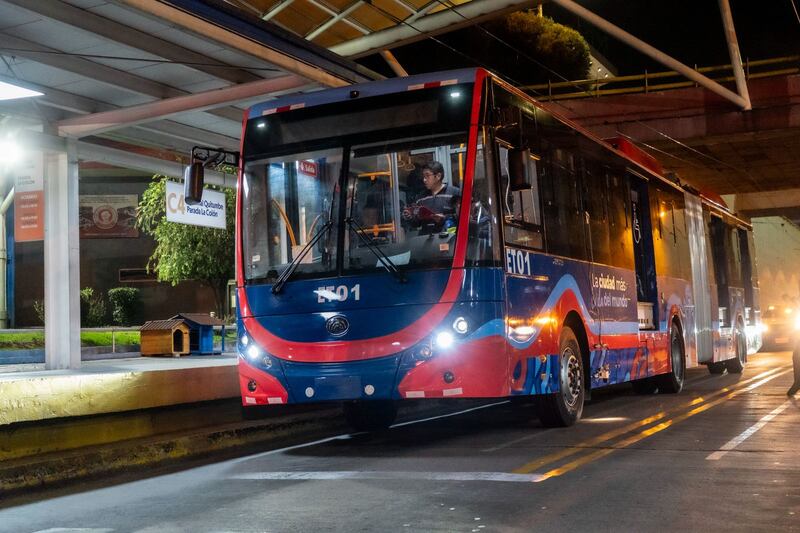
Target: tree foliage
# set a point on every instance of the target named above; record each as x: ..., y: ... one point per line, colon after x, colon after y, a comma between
x: 185, y: 252
x: 523, y: 47
x: 557, y: 48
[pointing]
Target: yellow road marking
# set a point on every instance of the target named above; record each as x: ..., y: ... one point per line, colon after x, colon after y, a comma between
x: 590, y: 443
x: 653, y: 430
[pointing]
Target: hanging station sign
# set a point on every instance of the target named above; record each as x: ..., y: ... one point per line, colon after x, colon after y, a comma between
x: 210, y: 212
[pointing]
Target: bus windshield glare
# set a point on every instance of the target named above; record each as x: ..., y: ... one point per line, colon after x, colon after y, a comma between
x: 403, y: 190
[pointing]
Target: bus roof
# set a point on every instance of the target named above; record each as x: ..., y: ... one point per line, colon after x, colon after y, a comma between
x: 372, y: 88
x: 448, y: 77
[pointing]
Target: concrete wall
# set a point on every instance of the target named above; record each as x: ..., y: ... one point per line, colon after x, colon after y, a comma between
x: 778, y: 259
x: 101, y: 261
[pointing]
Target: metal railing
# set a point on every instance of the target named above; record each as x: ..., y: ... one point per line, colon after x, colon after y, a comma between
x: 659, y: 81
x: 119, y: 329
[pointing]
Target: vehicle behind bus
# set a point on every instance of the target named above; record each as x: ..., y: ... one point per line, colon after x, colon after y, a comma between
x: 543, y: 264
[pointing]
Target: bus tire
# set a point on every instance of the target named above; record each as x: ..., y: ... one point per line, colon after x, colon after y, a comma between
x: 672, y: 383
x: 564, y: 408
x: 736, y: 365
x: 644, y: 386
x: 717, y: 368
x: 370, y: 415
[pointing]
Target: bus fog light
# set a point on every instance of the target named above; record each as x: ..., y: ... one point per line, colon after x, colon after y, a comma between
x: 369, y: 390
x: 448, y: 377
x: 461, y: 326
x: 444, y: 339
x: 251, y: 385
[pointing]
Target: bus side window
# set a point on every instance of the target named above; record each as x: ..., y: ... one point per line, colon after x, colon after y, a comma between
x: 621, y: 239
x: 564, y: 221
x: 594, y: 181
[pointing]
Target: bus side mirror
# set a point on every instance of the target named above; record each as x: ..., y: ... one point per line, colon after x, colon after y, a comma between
x: 519, y: 170
x: 193, y: 180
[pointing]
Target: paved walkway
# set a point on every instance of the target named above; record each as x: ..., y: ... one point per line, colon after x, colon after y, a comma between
x: 30, y: 393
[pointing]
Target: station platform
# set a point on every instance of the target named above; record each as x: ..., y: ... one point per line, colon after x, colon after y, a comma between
x: 28, y: 393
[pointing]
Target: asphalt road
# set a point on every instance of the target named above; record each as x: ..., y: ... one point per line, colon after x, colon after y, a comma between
x: 724, y: 455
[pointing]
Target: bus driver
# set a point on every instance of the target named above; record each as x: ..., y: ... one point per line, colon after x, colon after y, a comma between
x: 440, y: 205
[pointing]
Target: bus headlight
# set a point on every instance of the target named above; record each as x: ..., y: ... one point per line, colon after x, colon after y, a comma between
x: 460, y: 325
x: 797, y: 323
x: 245, y: 340
x: 253, y: 352
x: 444, y: 340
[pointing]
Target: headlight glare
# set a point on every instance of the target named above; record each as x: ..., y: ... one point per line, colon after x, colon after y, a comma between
x: 253, y: 353
x: 444, y: 339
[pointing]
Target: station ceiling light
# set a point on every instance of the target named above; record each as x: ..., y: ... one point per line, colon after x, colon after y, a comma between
x: 9, y: 92
x: 10, y: 152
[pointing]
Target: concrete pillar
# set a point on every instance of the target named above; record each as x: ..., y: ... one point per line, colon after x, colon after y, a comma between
x: 61, y: 260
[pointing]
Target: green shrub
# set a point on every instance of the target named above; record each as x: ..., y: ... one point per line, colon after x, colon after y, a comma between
x: 125, y: 305
x: 93, y: 308
x: 38, y: 308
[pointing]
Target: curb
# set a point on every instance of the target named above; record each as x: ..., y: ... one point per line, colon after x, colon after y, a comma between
x: 61, y: 467
x: 57, y: 468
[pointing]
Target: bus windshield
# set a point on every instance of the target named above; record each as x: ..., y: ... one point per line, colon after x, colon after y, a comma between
x: 403, y: 198
x: 400, y: 159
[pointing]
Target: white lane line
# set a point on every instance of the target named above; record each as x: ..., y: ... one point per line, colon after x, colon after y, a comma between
x: 75, y: 530
x: 347, y: 436
x: 389, y: 475
x: 749, y: 432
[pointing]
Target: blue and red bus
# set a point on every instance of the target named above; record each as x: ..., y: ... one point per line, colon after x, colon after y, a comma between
x: 556, y: 264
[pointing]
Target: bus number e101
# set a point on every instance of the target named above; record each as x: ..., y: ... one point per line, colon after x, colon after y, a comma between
x: 338, y: 294
x: 518, y: 262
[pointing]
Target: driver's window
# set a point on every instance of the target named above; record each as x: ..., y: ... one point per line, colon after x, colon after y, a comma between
x: 521, y: 209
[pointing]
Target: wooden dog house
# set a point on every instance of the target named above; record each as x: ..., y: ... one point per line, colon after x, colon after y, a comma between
x: 165, y: 337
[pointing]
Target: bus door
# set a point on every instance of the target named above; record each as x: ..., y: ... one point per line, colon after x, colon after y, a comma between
x: 703, y: 282
x: 612, y: 277
x: 719, y: 236
x: 644, y: 257
x: 748, y: 276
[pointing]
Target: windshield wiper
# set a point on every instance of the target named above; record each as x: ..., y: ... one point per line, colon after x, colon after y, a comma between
x: 382, y: 257
x: 286, y: 274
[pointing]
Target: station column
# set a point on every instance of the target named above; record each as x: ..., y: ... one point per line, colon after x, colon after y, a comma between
x: 61, y: 260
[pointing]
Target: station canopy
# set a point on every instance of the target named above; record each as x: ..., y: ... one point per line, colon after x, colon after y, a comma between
x: 136, y: 82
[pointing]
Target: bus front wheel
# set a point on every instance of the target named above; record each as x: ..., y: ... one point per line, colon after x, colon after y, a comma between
x: 564, y: 408
x: 371, y: 415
